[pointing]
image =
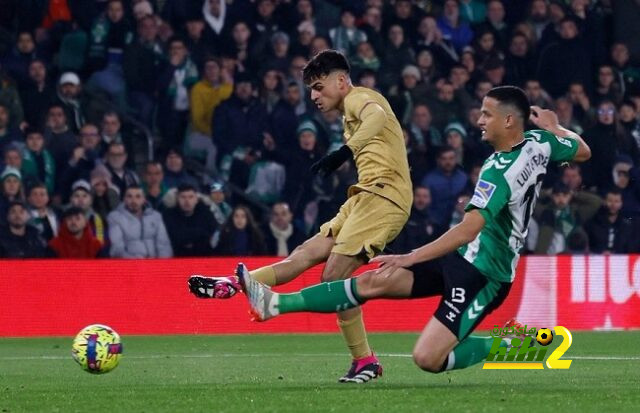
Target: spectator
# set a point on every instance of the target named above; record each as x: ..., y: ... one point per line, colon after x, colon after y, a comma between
x: 607, y: 139
x: 405, y: 15
x: 111, y: 131
x: 240, y: 235
x: 494, y: 21
x: 607, y: 88
x: 420, y: 229
x: 174, y: 83
x: 453, y: 27
x: 190, y: 224
x: 347, y: 36
x: 372, y: 28
x: 175, y: 172
x: 83, y: 159
x: 110, y: 34
x: 564, y: 110
x: 215, y: 87
x: 17, y: 239
x: 628, y: 75
x: 278, y: 56
x: 518, y: 61
x: 282, y: 237
x: 396, y: 55
x: 445, y: 106
x: 10, y: 100
x: 240, y: 120
x: 16, y: 62
x: 609, y: 231
x: 494, y: 71
x: 538, y: 17
x: 365, y: 58
x: 136, y: 230
x: 446, y: 182
x: 12, y: 157
x: 557, y: 222
x: 536, y: 94
x: 630, y: 120
x: 431, y: 38
x: 116, y: 159
x: 81, y: 197
x: 11, y: 181
x: 76, y: 239
x: 8, y: 134
x: 106, y: 196
x: 582, y: 108
x: 284, y: 117
x: 306, y: 32
x: 409, y: 91
x: 215, y: 16
x: 69, y: 98
x: 241, y: 47
x: 271, y: 86
x: 219, y: 208
x: 427, y: 66
x: 153, y: 184
x: 564, y: 61
x: 43, y: 218
x: 426, y: 135
x: 37, y: 94
x: 60, y: 140
x: 37, y: 162
x: 585, y: 203
x: 625, y: 180
x: 142, y: 63
x: 456, y: 137
x: 485, y: 48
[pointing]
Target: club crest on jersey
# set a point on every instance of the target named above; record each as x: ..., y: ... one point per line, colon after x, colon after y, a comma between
x: 482, y: 194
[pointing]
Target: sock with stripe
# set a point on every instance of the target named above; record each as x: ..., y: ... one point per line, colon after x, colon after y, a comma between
x: 470, y: 351
x: 328, y: 297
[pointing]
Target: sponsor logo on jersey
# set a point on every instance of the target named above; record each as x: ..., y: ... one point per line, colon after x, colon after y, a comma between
x: 482, y: 194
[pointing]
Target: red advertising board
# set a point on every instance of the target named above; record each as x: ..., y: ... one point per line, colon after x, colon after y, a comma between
x: 59, y: 297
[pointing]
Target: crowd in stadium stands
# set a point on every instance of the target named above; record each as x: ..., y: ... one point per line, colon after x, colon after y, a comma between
x: 169, y: 128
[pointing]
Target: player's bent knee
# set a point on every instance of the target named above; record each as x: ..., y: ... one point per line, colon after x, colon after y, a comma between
x: 368, y: 285
x: 427, y: 361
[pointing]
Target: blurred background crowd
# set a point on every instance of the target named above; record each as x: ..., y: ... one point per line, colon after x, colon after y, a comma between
x: 160, y: 128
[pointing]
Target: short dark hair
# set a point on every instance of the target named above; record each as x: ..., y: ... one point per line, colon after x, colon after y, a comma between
x: 72, y: 211
x: 133, y: 186
x: 186, y: 186
x: 32, y: 130
x: 323, y: 64
x: 444, y: 149
x: 35, y: 185
x: 512, y: 96
x: 613, y: 190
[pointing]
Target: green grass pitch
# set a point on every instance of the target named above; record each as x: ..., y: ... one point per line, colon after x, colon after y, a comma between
x: 297, y: 373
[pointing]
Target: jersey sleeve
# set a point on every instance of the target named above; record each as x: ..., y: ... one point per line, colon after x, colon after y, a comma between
x: 562, y: 149
x: 490, y: 195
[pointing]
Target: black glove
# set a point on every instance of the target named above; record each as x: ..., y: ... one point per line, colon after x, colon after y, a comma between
x: 325, y: 166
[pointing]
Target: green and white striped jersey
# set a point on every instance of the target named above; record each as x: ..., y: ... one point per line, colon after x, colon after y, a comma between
x: 505, y: 195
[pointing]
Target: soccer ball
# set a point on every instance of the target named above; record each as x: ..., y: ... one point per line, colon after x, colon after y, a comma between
x: 544, y: 336
x: 97, y: 349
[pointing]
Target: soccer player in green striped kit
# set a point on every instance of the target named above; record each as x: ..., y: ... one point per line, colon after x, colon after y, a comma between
x: 473, y: 264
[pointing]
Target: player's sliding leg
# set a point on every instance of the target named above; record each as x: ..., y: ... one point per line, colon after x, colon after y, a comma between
x: 312, y: 252
x: 330, y: 296
x: 438, y: 349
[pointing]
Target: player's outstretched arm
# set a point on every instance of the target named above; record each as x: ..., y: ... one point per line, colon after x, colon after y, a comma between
x: 459, y: 235
x: 548, y: 120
